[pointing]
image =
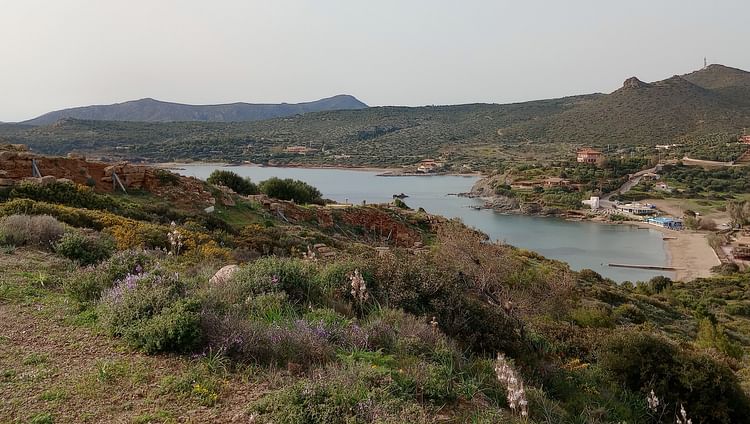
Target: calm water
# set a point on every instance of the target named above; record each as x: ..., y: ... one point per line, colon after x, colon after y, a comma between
x: 581, y: 244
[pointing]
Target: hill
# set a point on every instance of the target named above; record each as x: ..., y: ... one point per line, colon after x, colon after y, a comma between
x: 729, y: 82
x: 645, y: 114
x: 150, y: 110
x: 373, y: 136
x: 710, y: 104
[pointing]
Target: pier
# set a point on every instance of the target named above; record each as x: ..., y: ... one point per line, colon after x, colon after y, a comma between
x: 656, y: 267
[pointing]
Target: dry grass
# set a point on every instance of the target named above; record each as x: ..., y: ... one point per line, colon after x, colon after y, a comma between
x: 51, y: 365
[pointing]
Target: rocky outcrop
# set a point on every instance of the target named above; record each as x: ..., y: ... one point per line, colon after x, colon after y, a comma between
x: 502, y: 204
x: 632, y: 83
x: 485, y: 187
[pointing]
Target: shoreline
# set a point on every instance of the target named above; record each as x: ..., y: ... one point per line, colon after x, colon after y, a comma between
x: 383, y: 172
x: 688, y: 251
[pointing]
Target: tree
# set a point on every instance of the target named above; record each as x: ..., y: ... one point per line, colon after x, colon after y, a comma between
x: 289, y: 189
x: 739, y: 212
x: 230, y: 179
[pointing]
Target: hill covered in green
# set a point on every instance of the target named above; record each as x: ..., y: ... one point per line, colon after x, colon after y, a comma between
x: 678, y: 109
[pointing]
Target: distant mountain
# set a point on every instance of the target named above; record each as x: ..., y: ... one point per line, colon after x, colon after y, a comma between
x: 150, y: 110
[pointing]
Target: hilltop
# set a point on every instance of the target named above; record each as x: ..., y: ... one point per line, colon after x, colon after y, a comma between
x: 150, y: 110
x: 646, y: 113
x: 681, y: 109
x: 732, y: 83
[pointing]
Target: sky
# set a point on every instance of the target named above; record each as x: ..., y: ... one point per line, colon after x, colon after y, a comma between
x: 56, y: 54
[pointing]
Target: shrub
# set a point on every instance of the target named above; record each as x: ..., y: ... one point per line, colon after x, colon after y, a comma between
x: 289, y: 189
x: 629, y: 313
x: 87, y: 286
x: 597, y: 317
x: 152, y: 313
x: 268, y: 275
x: 25, y: 230
x: 230, y: 179
x: 167, y: 177
x: 354, y: 393
x: 282, y: 342
x: 66, y: 193
x: 713, y: 336
x: 175, y: 328
x: 400, y: 204
x: 85, y: 249
x: 659, y: 283
x: 644, y: 362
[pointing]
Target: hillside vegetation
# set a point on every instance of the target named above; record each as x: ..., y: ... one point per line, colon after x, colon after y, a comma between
x: 436, y: 325
x: 680, y: 109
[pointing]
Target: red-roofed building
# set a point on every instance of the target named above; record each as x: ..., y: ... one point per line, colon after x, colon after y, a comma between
x: 588, y: 156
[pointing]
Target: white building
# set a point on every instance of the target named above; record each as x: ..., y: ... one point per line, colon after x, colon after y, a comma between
x: 593, y: 202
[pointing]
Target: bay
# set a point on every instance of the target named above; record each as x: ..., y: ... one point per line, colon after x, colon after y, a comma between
x: 582, y: 244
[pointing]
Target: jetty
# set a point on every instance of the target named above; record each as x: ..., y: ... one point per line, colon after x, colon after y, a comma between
x: 656, y: 267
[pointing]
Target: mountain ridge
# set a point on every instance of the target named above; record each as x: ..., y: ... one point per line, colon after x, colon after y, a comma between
x: 152, y: 110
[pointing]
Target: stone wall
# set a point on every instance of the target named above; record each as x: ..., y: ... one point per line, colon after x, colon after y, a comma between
x: 16, y: 166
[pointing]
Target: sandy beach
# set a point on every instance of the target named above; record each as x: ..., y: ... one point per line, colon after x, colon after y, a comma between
x: 688, y: 251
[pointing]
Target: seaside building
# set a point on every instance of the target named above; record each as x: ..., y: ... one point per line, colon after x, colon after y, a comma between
x: 427, y: 166
x: 666, y: 222
x: 588, y: 156
x: 593, y: 202
x: 637, y: 209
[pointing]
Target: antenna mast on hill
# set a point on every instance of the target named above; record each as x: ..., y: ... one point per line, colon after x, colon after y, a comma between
x: 705, y: 63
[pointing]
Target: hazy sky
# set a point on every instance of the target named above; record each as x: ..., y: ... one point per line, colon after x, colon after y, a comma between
x: 62, y: 53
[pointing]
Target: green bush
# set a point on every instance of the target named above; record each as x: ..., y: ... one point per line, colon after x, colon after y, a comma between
x: 643, y: 362
x: 85, y: 248
x: 176, y: 328
x: 268, y: 275
x: 152, y: 313
x: 713, y: 336
x: 65, y: 193
x: 87, y: 286
x: 24, y: 230
x: 289, y: 189
x: 629, y: 313
x: 400, y: 204
x: 596, y: 317
x: 230, y: 179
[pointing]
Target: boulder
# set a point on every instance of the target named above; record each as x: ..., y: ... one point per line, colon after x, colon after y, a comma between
x: 223, y: 275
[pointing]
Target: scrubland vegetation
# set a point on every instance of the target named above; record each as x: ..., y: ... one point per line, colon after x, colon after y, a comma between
x: 463, y: 331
